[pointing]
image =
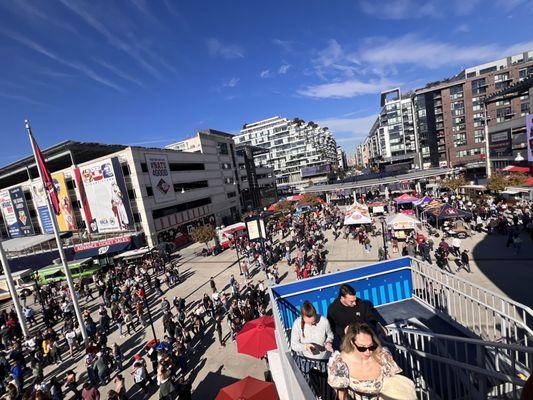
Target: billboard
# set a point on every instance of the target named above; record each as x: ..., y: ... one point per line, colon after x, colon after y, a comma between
x: 22, y: 213
x: 160, y: 179
x: 39, y: 200
x: 529, y: 137
x: 66, y: 220
x: 8, y: 212
x: 104, y: 196
x: 315, y: 170
x: 500, y: 143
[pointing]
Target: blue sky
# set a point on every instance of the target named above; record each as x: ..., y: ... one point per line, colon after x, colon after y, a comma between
x: 152, y: 72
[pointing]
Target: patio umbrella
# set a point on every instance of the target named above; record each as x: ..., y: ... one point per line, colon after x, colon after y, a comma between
x: 248, y: 389
x: 272, y: 207
x: 257, y: 337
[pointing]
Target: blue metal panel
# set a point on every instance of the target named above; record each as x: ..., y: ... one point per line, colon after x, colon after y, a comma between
x: 384, y: 288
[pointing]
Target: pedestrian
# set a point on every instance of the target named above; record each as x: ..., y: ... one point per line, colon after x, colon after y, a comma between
x: 212, y: 284
x: 72, y: 384
x: 218, y: 327
x: 89, y: 392
x: 120, y: 387
x: 140, y: 374
x: 465, y: 262
x: 456, y: 247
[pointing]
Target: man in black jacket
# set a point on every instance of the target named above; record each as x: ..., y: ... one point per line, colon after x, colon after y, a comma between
x: 347, y: 309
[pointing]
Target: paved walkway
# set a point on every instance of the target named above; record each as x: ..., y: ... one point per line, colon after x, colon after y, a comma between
x: 212, y: 366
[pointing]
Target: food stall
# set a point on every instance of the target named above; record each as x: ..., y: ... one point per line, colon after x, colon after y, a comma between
x: 404, y: 203
x: 378, y: 208
x: 401, y: 225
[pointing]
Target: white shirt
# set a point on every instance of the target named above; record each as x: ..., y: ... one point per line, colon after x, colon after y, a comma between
x: 456, y: 242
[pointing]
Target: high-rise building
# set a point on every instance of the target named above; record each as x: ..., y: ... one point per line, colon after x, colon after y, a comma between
x: 448, y: 128
x: 298, y: 151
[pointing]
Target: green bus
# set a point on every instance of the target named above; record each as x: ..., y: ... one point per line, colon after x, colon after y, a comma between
x: 78, y: 269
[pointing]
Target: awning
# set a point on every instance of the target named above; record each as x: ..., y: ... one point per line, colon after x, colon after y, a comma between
x: 133, y: 254
x: 26, y: 242
x: 98, y: 251
x: 514, y: 168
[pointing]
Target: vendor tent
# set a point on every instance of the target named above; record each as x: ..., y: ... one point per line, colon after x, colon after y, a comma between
x: 449, y: 212
x: 296, y: 197
x: 514, y: 168
x: 403, y: 221
x: 424, y: 200
x: 405, y: 198
x: 354, y: 217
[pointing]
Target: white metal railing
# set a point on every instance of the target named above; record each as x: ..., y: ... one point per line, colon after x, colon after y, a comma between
x: 293, y: 379
x: 450, y: 367
x: 478, y: 310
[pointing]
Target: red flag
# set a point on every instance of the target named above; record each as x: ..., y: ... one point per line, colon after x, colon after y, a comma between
x: 48, y: 183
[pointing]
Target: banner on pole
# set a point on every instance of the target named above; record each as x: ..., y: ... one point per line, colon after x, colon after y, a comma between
x: 22, y: 213
x: 66, y: 219
x: 39, y: 200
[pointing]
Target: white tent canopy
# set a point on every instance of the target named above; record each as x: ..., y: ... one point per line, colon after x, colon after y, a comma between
x: 354, y: 217
x: 403, y: 221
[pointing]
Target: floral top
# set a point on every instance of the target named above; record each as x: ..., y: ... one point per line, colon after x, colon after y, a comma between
x: 339, y: 376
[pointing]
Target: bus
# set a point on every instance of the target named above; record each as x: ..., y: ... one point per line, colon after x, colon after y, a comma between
x: 78, y: 269
x: 23, y: 280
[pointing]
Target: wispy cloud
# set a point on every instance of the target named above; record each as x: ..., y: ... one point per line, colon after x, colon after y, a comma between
x: 284, y: 68
x: 346, y: 89
x: 22, y: 98
x: 349, y: 130
x: 133, y: 48
x: 511, y: 5
x: 120, y: 73
x: 85, y: 70
x: 31, y: 10
x: 232, y: 82
x: 286, y: 45
x: 463, y: 28
x: 227, y: 51
x: 408, y: 9
x: 265, y: 74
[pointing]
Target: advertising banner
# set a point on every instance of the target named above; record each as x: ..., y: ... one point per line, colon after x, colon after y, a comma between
x: 160, y: 179
x: 500, y: 143
x: 66, y: 220
x: 315, y: 170
x: 529, y: 137
x: 22, y: 213
x: 39, y: 200
x: 8, y: 211
x: 102, y: 243
x: 105, y: 199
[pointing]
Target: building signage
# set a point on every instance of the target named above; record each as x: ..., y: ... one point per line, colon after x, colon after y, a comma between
x: 315, y: 170
x: 22, y: 214
x: 529, y: 137
x: 66, y: 220
x: 160, y: 179
x: 104, y: 196
x: 102, y: 243
x: 500, y: 143
x: 39, y: 200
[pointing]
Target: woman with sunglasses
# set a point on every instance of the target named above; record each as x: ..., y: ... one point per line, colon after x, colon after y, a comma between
x: 358, y: 371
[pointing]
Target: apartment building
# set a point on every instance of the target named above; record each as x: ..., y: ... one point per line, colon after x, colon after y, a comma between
x: 299, y: 152
x: 449, y: 118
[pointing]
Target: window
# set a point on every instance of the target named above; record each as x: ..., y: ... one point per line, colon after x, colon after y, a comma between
x: 190, y: 185
x: 137, y: 217
x: 186, y: 166
x: 222, y: 148
x: 226, y: 166
x: 524, y: 109
x: 125, y: 170
x: 503, y: 114
x: 487, y: 70
x: 479, y: 135
x: 144, y: 167
x: 459, y: 139
x: 506, y: 102
x: 502, y: 81
x: 479, y: 86
x: 71, y: 184
x: 131, y: 194
x: 149, y: 191
x: 231, y: 195
x: 181, y: 207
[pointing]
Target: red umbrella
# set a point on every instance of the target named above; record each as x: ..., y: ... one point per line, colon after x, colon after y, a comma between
x: 257, y: 337
x: 273, y: 207
x: 248, y: 389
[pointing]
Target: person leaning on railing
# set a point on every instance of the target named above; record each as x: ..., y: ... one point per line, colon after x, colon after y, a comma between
x: 363, y: 370
x: 311, y: 334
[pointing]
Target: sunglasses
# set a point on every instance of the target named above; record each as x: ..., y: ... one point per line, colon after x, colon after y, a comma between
x: 362, y: 349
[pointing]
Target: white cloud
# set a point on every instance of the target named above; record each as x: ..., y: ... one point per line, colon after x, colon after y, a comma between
x: 232, y: 82
x: 286, y: 45
x: 284, y: 69
x: 408, y: 9
x: 463, y: 28
x: 411, y: 49
x: 265, y: 74
x: 227, y: 51
x: 346, y: 89
x: 511, y: 5
x: 349, y: 130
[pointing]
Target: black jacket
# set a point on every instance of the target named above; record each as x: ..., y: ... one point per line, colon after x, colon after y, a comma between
x: 340, y: 316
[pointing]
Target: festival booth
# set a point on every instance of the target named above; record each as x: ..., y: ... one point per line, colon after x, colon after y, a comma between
x: 378, y: 208
x: 355, y: 217
x: 446, y: 213
x: 402, y: 224
x: 404, y: 203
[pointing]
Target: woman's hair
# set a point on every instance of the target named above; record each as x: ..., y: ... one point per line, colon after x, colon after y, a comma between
x: 307, y: 310
x: 352, y: 330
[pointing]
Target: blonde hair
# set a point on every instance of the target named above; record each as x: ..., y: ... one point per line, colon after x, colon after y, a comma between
x: 352, y: 330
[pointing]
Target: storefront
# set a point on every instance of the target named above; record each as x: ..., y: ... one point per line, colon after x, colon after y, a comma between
x: 103, y: 251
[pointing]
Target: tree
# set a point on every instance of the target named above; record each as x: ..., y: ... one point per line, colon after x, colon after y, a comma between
x: 285, y: 206
x: 454, y: 183
x: 310, y: 199
x: 498, y: 181
x: 203, y: 234
x: 517, y: 179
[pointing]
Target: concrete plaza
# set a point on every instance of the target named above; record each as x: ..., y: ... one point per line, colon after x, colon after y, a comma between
x: 212, y: 366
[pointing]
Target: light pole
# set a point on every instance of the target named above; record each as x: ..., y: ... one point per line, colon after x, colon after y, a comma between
x: 382, y: 219
x: 238, y: 257
x: 145, y: 300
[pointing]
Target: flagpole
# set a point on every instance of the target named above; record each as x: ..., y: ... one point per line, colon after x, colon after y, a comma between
x: 66, y: 269
x: 13, y: 291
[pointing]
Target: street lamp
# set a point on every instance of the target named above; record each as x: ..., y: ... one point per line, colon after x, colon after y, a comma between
x: 382, y: 220
x: 143, y: 296
x: 519, y: 157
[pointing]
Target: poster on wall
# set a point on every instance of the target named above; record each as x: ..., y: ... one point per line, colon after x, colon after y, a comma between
x: 22, y: 214
x: 66, y: 220
x: 104, y: 196
x: 39, y: 200
x: 160, y: 179
x: 529, y: 137
x: 8, y: 212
